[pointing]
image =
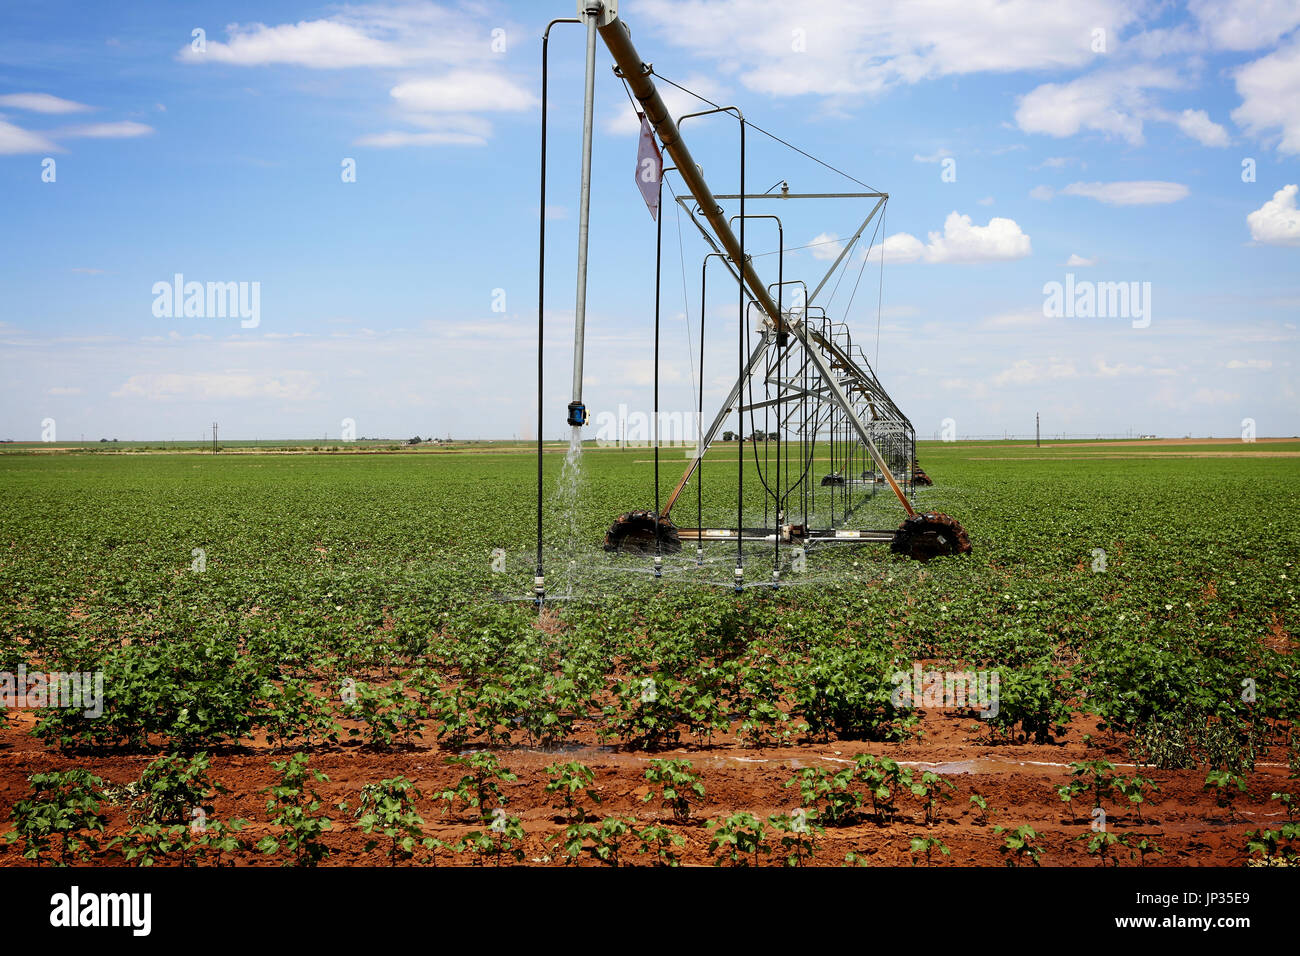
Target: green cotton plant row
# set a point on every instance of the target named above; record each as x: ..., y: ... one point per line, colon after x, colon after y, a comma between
x: 354, y: 597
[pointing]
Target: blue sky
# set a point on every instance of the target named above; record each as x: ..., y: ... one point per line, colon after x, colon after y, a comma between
x: 1020, y: 142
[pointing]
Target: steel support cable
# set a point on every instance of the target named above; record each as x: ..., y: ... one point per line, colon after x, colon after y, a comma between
x: 821, y: 162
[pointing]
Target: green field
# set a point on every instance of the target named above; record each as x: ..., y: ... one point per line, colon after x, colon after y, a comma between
x: 317, y: 570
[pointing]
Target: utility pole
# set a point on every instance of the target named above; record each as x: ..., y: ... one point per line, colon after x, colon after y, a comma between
x: 214, y: 438
x: 1037, y: 432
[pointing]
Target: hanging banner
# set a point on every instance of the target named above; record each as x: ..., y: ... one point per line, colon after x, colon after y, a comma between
x: 649, y: 167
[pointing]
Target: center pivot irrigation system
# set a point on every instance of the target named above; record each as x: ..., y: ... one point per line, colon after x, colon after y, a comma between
x: 816, y: 385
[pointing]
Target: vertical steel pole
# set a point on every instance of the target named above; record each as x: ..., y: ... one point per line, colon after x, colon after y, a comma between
x: 577, y: 413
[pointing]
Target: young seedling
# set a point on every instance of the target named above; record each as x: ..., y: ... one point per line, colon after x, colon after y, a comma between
x: 1095, y: 775
x: 1225, y: 786
x: 607, y: 839
x: 1273, y: 847
x: 1136, y: 789
x: 658, y: 839
x: 501, y: 839
x: 981, y: 805
x: 737, y: 838
x: 1020, y: 846
x: 927, y: 845
x: 388, y: 809
x: 1067, y: 792
x: 884, y: 777
x: 1286, y: 800
x: 568, y: 781
x: 480, y: 789
x: 1144, y: 846
x: 839, y: 801
x: 798, y: 830
x: 293, y: 809
x: 1099, y: 844
x: 931, y: 789
x: 678, y: 785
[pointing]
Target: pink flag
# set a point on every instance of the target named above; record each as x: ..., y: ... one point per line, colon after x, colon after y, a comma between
x: 649, y: 167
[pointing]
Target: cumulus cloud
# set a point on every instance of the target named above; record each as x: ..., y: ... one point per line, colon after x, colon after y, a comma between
x: 400, y: 39
x: 1277, y: 222
x: 1079, y: 261
x: 1239, y: 25
x: 1270, y: 98
x: 847, y: 49
x: 1136, y: 193
x: 961, y: 241
x: 464, y: 91
x: 319, y: 44
x: 1198, y: 125
x: 825, y: 246
x: 1112, y: 102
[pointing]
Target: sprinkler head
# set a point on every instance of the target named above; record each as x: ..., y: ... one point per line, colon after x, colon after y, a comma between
x: 539, y: 589
x: 699, y: 556
x: 739, y: 576
x: 577, y: 414
x: 659, y: 566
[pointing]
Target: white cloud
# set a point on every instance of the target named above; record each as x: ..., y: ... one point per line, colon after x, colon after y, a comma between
x: 1198, y: 125
x: 986, y: 201
x: 825, y: 246
x: 462, y: 91
x: 1137, y: 193
x: 856, y: 48
x: 319, y: 44
x: 1079, y: 261
x: 212, y: 386
x: 63, y: 390
x: 1277, y: 222
x: 1245, y: 24
x: 398, y: 138
x: 15, y: 140
x: 1270, y: 97
x: 1250, y: 363
x: 439, y: 130
x: 1032, y: 371
x: 960, y: 241
x: 395, y: 38
x: 1042, y: 193
x: 42, y: 103
x: 121, y: 130
x: 1109, y: 102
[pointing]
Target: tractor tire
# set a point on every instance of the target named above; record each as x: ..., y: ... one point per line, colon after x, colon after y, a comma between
x: 634, y: 533
x: 930, y: 535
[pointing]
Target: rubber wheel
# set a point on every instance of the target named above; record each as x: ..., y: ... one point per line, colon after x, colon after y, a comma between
x: 634, y: 533
x: 829, y: 480
x: 919, y: 477
x: 930, y: 535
